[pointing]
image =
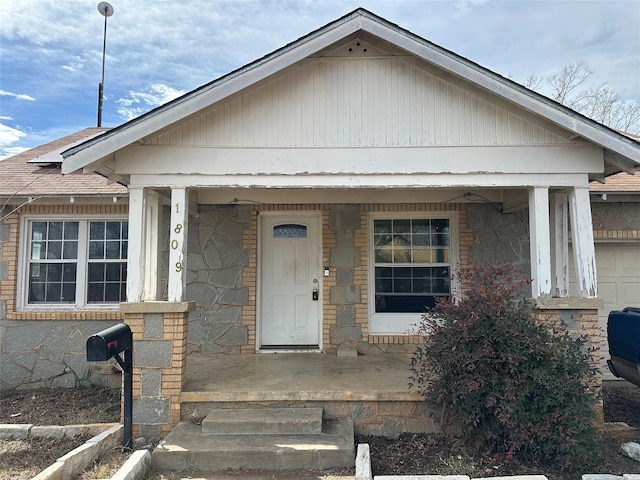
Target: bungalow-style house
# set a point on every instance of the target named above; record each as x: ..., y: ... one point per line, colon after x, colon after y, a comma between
x: 315, y: 202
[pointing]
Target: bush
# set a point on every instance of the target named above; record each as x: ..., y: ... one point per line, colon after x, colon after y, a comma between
x: 513, y: 386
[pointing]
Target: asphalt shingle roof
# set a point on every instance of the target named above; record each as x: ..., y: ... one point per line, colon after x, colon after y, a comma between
x: 19, y: 178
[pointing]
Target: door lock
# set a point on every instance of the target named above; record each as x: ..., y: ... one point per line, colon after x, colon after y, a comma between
x: 314, y: 294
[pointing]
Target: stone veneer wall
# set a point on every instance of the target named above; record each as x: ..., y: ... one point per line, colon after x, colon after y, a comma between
x: 615, y: 221
x: 217, y: 261
x: 47, y: 348
x: 499, y: 237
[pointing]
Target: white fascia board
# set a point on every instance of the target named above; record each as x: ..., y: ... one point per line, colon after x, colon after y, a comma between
x: 566, y: 158
x: 475, y: 180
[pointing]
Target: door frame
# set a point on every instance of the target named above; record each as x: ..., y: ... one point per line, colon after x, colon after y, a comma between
x: 292, y: 216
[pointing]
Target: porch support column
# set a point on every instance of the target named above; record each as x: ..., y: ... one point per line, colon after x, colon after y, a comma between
x: 178, y: 244
x: 137, y: 237
x: 560, y: 244
x: 584, y: 255
x: 152, y: 242
x: 540, y: 242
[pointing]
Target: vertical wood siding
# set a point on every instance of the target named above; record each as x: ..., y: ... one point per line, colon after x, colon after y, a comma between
x: 386, y: 102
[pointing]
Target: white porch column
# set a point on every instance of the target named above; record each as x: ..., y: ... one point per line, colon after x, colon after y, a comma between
x: 584, y: 255
x: 560, y: 244
x: 153, y: 209
x: 540, y: 242
x: 137, y: 238
x: 178, y: 244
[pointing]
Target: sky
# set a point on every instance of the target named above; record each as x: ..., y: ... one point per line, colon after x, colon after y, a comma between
x: 51, y: 51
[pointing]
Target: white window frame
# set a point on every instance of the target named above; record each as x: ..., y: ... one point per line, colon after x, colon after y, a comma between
x: 22, y: 301
x: 406, y: 323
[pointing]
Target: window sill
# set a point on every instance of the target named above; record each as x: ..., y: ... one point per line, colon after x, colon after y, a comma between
x: 66, y: 315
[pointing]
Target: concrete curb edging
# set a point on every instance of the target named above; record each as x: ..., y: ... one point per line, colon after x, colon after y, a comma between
x: 363, y: 472
x: 136, y: 466
x: 73, y: 463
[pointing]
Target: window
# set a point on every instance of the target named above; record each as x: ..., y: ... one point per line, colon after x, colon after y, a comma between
x: 80, y: 263
x: 412, y: 258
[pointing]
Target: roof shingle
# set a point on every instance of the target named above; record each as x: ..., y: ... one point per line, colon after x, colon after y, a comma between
x: 18, y: 178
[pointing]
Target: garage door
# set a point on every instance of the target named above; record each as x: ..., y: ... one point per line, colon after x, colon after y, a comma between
x: 618, y: 271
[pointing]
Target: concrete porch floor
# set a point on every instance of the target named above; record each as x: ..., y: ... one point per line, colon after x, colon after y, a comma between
x: 297, y: 377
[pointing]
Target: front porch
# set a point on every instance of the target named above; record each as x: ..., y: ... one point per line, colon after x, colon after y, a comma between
x: 372, y: 390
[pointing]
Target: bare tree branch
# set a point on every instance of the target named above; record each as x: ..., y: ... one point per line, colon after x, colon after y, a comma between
x: 601, y: 103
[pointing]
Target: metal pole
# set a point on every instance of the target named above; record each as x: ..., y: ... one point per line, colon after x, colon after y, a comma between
x: 127, y: 393
x: 101, y: 85
x: 106, y: 10
x: 127, y: 442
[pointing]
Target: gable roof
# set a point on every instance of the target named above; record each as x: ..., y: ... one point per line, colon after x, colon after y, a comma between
x: 36, y: 173
x: 621, y: 153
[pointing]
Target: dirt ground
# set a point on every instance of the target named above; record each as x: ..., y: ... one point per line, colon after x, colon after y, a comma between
x: 409, y: 454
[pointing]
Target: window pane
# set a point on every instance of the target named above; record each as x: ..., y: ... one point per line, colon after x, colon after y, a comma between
x: 96, y: 231
x: 37, y: 250
x: 54, y: 272
x: 290, y: 231
x: 96, y: 272
x: 107, y: 282
x: 70, y: 230
x: 70, y: 250
x: 53, y: 293
x: 113, y: 230
x: 112, y: 250
x: 39, y: 231
x: 69, y: 292
x: 36, y: 292
x: 402, y: 254
x: 112, y: 292
x: 95, y: 292
x: 55, y: 231
x: 401, y: 226
x: 54, y: 250
x: 112, y: 272
x: 96, y: 249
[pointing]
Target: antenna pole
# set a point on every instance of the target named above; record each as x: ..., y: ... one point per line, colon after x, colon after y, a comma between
x: 106, y: 10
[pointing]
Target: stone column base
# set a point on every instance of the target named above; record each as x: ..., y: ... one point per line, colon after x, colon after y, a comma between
x: 159, y: 364
x: 578, y: 316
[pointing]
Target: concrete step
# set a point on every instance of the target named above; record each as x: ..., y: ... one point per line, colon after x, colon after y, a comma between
x: 187, y: 448
x: 262, y: 420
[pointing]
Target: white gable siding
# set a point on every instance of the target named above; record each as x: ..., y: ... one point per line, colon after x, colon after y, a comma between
x: 369, y: 102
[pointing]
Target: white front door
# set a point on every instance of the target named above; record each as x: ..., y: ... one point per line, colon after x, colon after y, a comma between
x: 290, y: 290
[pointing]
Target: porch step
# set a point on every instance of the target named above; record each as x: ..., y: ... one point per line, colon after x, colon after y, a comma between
x: 263, y: 420
x: 187, y: 447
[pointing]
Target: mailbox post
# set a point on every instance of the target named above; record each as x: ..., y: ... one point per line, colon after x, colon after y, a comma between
x: 109, y: 343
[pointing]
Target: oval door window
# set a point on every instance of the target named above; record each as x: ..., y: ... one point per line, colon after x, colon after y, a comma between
x: 290, y: 230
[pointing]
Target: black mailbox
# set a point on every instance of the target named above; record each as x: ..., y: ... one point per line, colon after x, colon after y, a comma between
x: 110, y: 343
x: 107, y: 343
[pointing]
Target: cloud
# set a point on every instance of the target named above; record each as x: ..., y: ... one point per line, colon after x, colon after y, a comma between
x: 8, y: 137
x: 19, y: 96
x: 76, y: 63
x: 137, y: 103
